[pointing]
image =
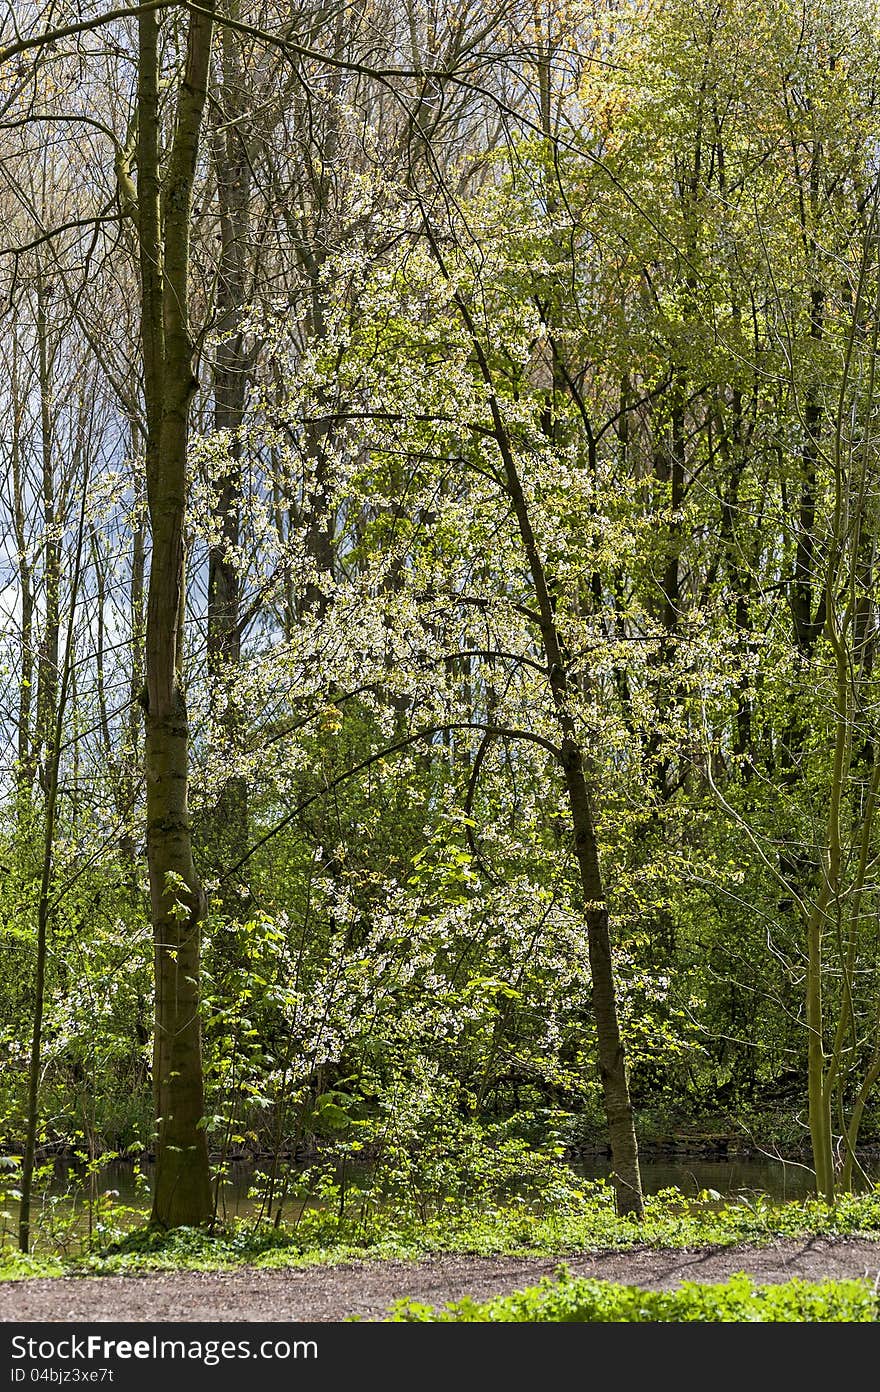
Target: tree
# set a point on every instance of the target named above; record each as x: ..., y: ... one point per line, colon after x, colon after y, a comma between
x: 182, y: 1191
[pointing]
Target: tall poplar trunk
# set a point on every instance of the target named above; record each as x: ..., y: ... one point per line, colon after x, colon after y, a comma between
x: 47, y: 663
x: 807, y: 626
x: 24, y: 766
x: 182, y: 1189
x: 128, y: 774
x: 228, y: 826
x: 669, y: 471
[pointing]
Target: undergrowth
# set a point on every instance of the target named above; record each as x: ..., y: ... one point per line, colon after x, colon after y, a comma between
x: 584, y: 1221
x: 570, y: 1300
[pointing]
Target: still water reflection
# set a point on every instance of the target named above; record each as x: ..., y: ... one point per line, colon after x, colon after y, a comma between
x: 777, y: 1179
x: 73, y: 1205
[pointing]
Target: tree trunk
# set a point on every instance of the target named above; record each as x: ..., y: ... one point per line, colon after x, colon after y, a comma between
x: 182, y: 1191
x: 626, y: 1175
x: 47, y: 665
x: 227, y: 830
x: 25, y: 766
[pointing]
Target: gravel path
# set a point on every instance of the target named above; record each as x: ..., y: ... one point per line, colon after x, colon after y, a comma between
x: 367, y: 1289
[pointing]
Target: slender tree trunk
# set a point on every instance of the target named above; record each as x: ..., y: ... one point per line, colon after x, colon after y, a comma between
x: 227, y: 830
x: 182, y: 1191
x: 44, y: 903
x: 35, y: 1063
x: 47, y: 664
x: 626, y: 1174
x: 128, y: 764
x: 25, y: 765
x: 669, y: 471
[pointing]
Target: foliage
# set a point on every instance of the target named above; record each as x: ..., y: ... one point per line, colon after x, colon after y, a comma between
x: 663, y: 296
x: 570, y: 1300
x: 565, y: 1218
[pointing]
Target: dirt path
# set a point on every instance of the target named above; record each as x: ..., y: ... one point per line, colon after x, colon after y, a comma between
x: 368, y: 1289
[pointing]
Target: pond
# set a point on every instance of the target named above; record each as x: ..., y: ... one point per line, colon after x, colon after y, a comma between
x: 67, y: 1194
x: 776, y: 1179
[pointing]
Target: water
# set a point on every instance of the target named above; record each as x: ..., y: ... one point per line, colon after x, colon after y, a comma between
x: 66, y: 1198
x: 776, y: 1179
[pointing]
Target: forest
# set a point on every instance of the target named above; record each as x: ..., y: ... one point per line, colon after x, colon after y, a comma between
x: 440, y: 672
